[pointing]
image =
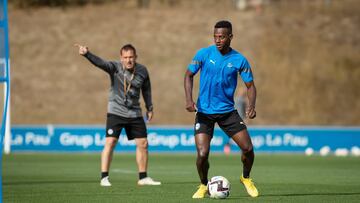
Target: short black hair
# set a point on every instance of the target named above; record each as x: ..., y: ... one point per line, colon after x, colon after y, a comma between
x: 224, y: 24
x: 128, y: 47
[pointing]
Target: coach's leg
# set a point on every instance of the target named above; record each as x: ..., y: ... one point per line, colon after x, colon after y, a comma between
x: 142, y: 154
x: 242, y: 139
x: 202, y: 141
x: 107, y: 153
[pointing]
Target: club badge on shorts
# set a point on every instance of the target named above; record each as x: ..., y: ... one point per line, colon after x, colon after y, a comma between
x: 110, y: 131
x: 197, y: 126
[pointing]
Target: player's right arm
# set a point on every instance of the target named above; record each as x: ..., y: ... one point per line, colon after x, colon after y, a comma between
x: 188, y: 86
x: 95, y: 60
x: 193, y: 68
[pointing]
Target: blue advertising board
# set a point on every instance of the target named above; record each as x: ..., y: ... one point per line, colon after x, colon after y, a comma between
x: 57, y: 138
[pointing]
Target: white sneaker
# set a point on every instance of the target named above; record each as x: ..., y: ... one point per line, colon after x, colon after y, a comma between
x: 148, y: 181
x: 105, y: 182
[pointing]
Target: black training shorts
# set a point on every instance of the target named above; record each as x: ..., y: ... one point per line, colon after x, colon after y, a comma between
x: 231, y: 123
x: 134, y: 127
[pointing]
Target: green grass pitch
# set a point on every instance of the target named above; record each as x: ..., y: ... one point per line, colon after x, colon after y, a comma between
x: 279, y: 178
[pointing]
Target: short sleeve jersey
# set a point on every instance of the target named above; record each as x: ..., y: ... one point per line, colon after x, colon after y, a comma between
x: 218, y: 78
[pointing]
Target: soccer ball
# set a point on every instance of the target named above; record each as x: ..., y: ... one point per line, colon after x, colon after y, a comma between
x: 218, y: 187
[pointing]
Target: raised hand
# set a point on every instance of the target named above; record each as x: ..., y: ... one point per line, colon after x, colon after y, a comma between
x: 82, y: 49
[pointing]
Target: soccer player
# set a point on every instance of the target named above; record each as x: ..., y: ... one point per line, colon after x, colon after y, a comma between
x: 128, y: 78
x: 219, y: 66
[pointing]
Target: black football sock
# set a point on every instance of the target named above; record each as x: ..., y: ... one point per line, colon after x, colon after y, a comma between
x: 204, y: 179
x: 203, y: 168
x: 142, y: 175
x: 104, y: 174
x: 246, y: 173
x: 248, y: 162
x: 204, y: 182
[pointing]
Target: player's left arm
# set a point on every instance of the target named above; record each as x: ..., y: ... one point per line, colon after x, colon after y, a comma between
x: 146, y: 93
x: 195, y: 65
x: 251, y: 93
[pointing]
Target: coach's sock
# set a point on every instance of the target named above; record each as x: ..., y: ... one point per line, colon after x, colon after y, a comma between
x: 142, y: 175
x: 104, y: 174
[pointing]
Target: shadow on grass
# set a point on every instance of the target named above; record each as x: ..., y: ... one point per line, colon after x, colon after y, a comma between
x: 312, y: 194
x: 34, y: 182
x: 181, y: 182
x: 236, y: 197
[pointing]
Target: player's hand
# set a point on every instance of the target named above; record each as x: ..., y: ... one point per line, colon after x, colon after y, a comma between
x: 190, y: 106
x: 149, y: 115
x: 82, y: 49
x: 250, y: 112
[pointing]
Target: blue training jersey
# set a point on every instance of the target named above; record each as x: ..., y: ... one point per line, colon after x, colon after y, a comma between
x: 218, y: 78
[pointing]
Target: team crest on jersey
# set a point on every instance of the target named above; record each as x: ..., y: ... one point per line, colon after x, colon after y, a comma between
x: 110, y: 131
x: 197, y: 126
x: 229, y: 65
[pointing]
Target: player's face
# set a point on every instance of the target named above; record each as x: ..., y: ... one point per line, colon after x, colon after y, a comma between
x: 128, y: 58
x: 222, y: 38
